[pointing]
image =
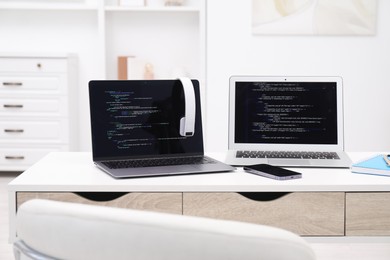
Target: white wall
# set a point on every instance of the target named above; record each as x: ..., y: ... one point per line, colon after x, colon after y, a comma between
x: 362, y: 61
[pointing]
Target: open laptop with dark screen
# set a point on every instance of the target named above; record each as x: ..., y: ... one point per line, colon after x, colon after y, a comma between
x: 148, y: 128
x: 286, y: 121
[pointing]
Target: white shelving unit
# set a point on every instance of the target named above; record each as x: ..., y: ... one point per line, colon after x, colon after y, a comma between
x: 112, y: 21
x: 171, y: 38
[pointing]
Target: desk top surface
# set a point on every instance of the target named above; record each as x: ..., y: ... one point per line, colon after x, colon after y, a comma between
x: 75, y: 171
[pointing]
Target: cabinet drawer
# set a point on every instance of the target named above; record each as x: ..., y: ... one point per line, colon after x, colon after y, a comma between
x: 31, y: 130
x: 160, y: 202
x: 303, y: 213
x: 32, y: 65
x: 20, y: 84
x: 22, y: 156
x: 33, y: 107
x: 368, y: 214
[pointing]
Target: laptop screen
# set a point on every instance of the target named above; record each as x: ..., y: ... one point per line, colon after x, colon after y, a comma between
x: 141, y: 119
x: 286, y: 112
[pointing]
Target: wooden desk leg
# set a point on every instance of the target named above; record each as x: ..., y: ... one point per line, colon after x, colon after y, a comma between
x: 12, y: 216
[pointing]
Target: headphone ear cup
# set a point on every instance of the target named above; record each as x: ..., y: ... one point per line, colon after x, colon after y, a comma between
x: 182, y: 128
x: 187, y: 123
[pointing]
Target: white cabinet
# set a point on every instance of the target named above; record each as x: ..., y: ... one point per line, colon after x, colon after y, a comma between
x: 36, y: 116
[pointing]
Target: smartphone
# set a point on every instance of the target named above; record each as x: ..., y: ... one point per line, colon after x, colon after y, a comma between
x: 272, y: 172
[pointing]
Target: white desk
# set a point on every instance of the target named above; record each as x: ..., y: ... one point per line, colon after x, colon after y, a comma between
x: 75, y: 172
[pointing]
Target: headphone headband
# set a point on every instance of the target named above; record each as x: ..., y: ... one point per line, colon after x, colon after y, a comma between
x: 187, y: 123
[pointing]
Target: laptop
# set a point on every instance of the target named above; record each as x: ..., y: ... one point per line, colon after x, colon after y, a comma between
x: 148, y: 128
x: 286, y: 121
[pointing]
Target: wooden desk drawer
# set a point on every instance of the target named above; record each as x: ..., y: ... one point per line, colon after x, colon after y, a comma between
x: 368, y: 214
x: 315, y: 214
x: 160, y: 202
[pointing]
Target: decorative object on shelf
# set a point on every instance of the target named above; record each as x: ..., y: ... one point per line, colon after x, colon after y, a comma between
x: 149, y: 71
x: 308, y: 17
x: 376, y: 165
x: 132, y: 2
x: 174, y: 2
x: 131, y: 67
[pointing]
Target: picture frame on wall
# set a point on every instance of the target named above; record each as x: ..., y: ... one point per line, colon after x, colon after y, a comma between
x: 314, y: 17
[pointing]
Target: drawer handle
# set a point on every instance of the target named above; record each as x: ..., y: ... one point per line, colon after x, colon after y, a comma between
x: 8, y: 157
x: 13, y: 84
x: 101, y: 196
x: 13, y: 130
x: 263, y: 196
x: 12, y: 106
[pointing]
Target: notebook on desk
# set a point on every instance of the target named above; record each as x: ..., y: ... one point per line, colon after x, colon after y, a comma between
x: 148, y: 128
x: 286, y: 121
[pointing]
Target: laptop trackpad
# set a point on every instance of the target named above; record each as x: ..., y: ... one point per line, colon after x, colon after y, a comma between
x: 289, y: 162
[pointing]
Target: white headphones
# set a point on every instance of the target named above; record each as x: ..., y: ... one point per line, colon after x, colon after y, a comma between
x: 187, y: 123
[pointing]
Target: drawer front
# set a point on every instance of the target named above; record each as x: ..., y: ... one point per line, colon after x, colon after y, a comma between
x: 31, y: 130
x: 314, y: 214
x: 158, y: 202
x: 10, y: 157
x: 21, y: 83
x: 32, y: 65
x: 368, y: 214
x: 33, y: 107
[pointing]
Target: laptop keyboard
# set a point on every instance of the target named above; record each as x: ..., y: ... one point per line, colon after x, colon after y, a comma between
x: 287, y: 155
x: 156, y: 162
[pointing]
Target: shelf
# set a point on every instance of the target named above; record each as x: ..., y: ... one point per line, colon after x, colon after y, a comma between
x: 90, y: 7
x: 151, y: 9
x: 52, y: 55
x: 46, y: 6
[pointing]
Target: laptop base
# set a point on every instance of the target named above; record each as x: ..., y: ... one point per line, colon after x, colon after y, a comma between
x: 166, y: 170
x: 343, y: 162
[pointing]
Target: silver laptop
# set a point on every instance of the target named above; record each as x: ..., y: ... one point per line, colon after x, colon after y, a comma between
x: 148, y: 128
x: 286, y: 121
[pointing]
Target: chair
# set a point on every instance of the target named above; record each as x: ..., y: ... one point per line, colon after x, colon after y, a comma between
x: 62, y: 230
